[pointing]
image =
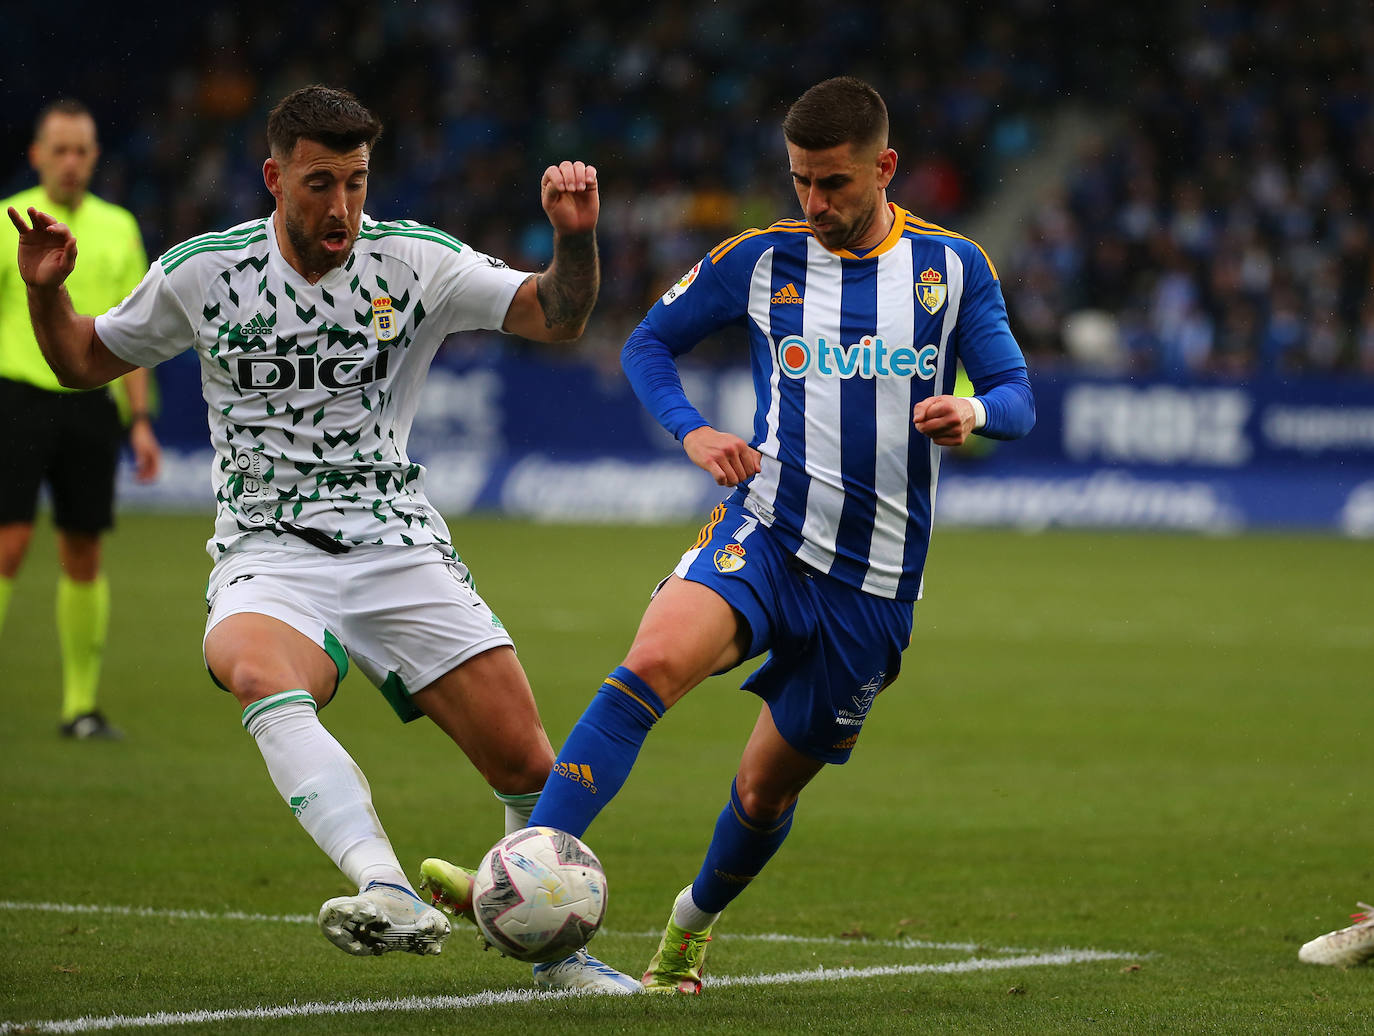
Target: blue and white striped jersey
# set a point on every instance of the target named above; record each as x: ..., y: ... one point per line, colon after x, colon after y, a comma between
x: 842, y: 347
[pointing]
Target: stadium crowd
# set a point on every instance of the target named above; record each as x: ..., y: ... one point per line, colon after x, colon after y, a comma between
x: 1218, y: 225
x: 1222, y: 225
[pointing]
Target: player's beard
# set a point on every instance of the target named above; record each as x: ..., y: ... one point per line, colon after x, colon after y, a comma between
x: 313, y: 256
x: 844, y: 235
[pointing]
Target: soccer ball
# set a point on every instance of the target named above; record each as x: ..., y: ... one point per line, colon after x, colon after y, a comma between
x: 539, y: 895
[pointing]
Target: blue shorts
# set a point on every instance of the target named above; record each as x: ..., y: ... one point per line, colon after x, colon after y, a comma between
x: 831, y: 646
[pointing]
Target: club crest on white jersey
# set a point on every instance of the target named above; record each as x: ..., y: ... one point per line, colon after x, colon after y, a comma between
x: 383, y: 318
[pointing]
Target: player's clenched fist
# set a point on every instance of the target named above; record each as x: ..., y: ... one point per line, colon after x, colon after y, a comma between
x: 726, y: 458
x: 570, y: 197
x: 947, y: 420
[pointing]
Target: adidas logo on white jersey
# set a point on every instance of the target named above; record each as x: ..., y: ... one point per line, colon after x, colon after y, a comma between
x: 258, y: 327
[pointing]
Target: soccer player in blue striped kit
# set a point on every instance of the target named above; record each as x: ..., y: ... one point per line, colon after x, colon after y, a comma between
x: 856, y: 316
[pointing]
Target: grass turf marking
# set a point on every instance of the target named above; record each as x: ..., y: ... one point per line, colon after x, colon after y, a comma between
x: 161, y: 1019
x: 1018, y: 958
x: 901, y: 942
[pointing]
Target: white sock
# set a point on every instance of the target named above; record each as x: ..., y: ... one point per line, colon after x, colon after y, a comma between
x: 690, y: 917
x: 323, y: 786
x: 518, y: 809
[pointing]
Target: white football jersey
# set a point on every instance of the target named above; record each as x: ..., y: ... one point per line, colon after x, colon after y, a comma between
x: 311, y: 388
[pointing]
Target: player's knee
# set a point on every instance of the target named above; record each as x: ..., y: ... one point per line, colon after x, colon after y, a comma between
x: 522, y: 775
x: 249, y: 680
x: 14, y: 544
x: 655, y: 661
x: 763, y: 804
x: 79, y: 555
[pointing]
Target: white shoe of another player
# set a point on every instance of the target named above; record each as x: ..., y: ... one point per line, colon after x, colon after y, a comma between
x: 1346, y: 947
x: 585, y: 972
x: 382, y: 918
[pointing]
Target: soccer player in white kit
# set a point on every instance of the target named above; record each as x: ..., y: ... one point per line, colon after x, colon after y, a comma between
x: 315, y: 327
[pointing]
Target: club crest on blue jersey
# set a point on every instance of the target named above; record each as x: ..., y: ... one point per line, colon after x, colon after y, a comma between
x: 383, y: 318
x: 730, y: 558
x: 931, y: 293
x: 682, y: 285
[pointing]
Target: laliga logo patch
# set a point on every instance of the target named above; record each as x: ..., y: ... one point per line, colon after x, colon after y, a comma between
x: 677, y: 289
x: 383, y: 318
x: 730, y: 558
x: 930, y: 293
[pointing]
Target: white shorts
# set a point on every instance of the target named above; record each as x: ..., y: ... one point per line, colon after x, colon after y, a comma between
x: 404, y: 615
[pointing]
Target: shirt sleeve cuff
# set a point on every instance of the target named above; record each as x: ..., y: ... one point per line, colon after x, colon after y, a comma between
x: 980, y: 412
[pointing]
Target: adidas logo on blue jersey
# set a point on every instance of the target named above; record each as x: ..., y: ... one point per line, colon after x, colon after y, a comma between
x: 787, y: 294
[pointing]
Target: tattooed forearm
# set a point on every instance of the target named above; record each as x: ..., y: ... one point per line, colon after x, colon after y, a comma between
x: 567, y: 289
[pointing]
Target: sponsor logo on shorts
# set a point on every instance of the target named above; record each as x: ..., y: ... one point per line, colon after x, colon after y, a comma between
x: 730, y: 558
x: 845, y: 745
x: 863, y: 701
x: 579, y: 773
x: 299, y: 802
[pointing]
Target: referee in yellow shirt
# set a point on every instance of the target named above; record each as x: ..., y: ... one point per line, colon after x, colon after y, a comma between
x: 68, y: 440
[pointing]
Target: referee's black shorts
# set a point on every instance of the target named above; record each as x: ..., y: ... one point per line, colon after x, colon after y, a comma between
x: 68, y: 440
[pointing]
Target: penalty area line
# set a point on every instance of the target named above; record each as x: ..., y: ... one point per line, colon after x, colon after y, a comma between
x: 162, y: 1019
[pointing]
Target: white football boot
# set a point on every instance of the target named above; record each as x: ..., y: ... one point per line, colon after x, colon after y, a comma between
x: 381, y: 918
x: 1346, y: 947
x: 583, y: 971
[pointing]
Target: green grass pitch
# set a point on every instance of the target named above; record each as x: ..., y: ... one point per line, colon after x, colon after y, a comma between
x: 1151, y: 747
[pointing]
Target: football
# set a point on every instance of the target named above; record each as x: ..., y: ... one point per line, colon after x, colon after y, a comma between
x: 539, y: 895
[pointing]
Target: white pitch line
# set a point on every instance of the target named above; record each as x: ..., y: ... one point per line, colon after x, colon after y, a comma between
x: 1029, y: 960
x: 92, y: 1023
x: 776, y: 937
x: 179, y: 915
x: 160, y: 1019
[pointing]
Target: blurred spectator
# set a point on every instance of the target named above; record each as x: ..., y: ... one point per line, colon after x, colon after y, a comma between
x: 1224, y: 227
x: 680, y: 107
x: 1227, y: 223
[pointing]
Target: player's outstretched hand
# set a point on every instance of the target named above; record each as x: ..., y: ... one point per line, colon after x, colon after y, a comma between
x: 948, y: 420
x: 726, y: 458
x: 47, y: 248
x: 569, y: 194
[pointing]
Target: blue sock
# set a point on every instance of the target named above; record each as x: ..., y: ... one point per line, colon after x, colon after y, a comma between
x: 738, y: 851
x: 598, y: 754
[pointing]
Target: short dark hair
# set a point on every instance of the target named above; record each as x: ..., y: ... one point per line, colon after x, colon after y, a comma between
x: 334, y: 118
x: 61, y: 106
x: 843, y: 110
